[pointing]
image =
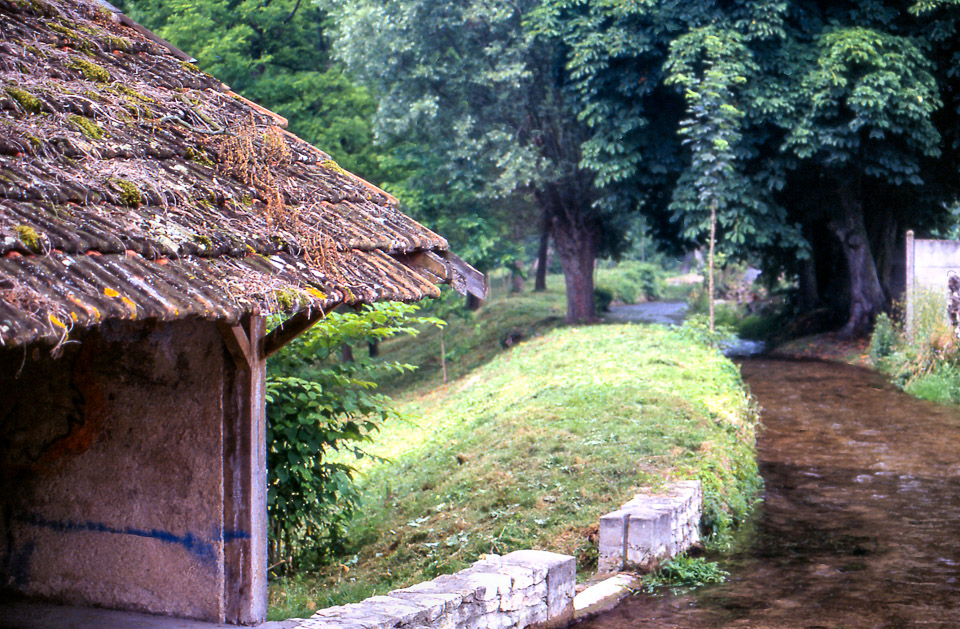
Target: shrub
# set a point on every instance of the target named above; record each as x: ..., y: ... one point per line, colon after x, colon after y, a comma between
x: 602, y: 297
x: 696, y: 328
x: 316, y: 406
x: 632, y: 282
x: 884, y: 340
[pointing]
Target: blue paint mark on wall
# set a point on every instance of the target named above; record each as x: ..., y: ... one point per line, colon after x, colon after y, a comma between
x: 17, y: 564
x: 228, y: 536
x: 200, y: 548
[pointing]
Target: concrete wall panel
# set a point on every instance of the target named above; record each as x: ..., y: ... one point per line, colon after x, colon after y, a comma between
x: 112, y: 479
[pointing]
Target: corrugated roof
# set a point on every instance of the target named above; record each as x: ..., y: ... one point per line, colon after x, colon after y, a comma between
x: 134, y: 186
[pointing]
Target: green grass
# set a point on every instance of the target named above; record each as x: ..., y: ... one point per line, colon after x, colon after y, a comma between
x: 473, y: 339
x: 925, y: 364
x: 526, y: 447
x: 684, y: 572
x: 941, y: 386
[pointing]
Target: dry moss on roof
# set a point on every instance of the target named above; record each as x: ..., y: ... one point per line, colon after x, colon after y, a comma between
x: 153, y: 185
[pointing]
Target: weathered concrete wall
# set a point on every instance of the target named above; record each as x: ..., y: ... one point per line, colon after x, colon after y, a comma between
x: 929, y: 265
x: 933, y: 260
x: 651, y: 528
x: 112, y: 482
x: 524, y: 588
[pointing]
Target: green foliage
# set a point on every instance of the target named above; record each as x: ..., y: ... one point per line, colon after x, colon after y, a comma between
x: 317, y: 406
x: 710, y: 65
x: 760, y: 327
x: 632, y: 282
x: 602, y: 298
x: 277, y: 53
x: 884, y: 340
x: 685, y: 572
x: 696, y: 328
x: 867, y: 89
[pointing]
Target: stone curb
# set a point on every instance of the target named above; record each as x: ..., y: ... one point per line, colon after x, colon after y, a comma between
x: 521, y: 589
x: 605, y: 595
x: 650, y: 528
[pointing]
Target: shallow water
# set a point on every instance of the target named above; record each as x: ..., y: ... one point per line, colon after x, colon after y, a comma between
x: 860, y: 525
x: 664, y: 312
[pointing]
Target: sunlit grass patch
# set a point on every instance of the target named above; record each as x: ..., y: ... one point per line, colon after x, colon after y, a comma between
x: 530, y: 448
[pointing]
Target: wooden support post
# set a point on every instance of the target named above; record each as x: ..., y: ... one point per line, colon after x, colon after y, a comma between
x: 911, y: 285
x: 245, y: 474
x: 238, y: 345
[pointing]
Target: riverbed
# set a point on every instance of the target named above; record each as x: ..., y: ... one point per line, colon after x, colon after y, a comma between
x: 860, y: 521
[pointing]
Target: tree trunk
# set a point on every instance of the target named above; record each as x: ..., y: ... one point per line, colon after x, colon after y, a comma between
x: 885, y: 249
x: 540, y: 283
x: 516, y: 278
x: 577, y: 246
x: 374, y: 347
x: 866, y: 294
x: 713, y: 242
x: 807, y: 279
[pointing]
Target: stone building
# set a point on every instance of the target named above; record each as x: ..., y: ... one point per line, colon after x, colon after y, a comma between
x: 151, y: 222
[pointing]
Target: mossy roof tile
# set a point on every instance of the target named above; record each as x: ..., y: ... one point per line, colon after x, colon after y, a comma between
x: 193, y: 202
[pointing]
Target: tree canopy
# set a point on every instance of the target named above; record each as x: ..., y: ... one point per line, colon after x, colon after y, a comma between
x: 806, y: 125
x: 815, y: 131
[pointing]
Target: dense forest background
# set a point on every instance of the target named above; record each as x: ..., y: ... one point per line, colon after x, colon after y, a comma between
x: 813, y: 134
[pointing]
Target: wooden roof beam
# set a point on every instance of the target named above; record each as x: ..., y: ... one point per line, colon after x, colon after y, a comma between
x: 290, y: 329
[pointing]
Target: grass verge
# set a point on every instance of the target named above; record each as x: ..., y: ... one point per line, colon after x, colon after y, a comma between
x: 529, y: 447
x: 924, y: 362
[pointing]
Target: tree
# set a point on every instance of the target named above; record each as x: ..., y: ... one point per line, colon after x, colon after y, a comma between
x: 665, y: 90
x: 835, y: 112
x: 277, y: 53
x: 866, y: 106
x: 475, y: 82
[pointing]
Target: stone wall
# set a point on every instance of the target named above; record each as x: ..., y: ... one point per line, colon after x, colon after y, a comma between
x: 524, y: 588
x: 651, y: 528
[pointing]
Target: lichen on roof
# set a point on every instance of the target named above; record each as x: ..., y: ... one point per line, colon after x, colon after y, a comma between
x: 156, y: 181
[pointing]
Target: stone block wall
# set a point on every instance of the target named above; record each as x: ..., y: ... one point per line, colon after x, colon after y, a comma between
x: 524, y: 588
x: 651, y: 528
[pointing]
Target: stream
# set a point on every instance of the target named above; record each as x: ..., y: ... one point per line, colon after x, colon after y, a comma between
x: 860, y: 520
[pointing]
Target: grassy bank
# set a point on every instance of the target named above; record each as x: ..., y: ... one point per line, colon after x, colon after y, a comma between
x: 531, y: 445
x: 471, y: 340
x: 926, y: 362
